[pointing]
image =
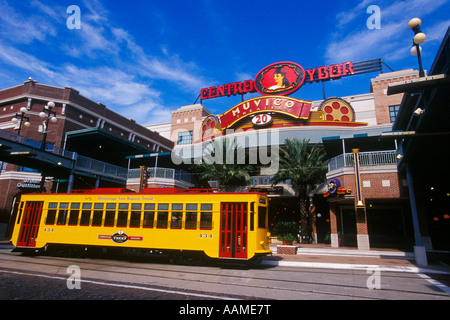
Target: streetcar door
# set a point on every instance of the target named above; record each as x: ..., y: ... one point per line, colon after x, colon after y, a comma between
x: 233, y: 230
x: 30, y: 224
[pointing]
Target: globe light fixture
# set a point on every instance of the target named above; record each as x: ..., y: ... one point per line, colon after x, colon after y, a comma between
x: 419, y: 37
x: 21, y: 116
x: 51, y: 116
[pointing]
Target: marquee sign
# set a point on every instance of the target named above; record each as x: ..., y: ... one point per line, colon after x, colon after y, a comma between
x: 284, y: 78
x: 296, y: 108
x: 279, y: 111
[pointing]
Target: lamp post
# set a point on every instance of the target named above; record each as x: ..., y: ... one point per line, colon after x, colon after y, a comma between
x: 51, y: 116
x: 21, y: 115
x: 419, y: 37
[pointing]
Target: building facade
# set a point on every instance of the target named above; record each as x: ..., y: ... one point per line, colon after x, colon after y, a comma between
x: 340, y: 124
x: 97, y: 139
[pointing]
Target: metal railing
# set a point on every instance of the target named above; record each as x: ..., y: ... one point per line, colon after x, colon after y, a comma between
x: 265, y: 181
x: 100, y: 168
x: 81, y: 162
x: 49, y: 147
x: 164, y: 173
x: 373, y: 158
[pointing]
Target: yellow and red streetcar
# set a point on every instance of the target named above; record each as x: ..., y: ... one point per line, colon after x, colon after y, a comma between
x: 175, y: 222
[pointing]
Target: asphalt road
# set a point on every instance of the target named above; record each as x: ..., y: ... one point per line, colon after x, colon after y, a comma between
x: 63, y: 278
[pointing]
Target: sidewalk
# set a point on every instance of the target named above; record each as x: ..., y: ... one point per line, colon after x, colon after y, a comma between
x: 323, y: 256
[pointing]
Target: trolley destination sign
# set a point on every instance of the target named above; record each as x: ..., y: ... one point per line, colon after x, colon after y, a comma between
x: 284, y: 78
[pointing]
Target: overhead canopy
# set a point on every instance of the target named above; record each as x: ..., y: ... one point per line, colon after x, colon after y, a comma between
x: 425, y: 110
x: 103, y: 145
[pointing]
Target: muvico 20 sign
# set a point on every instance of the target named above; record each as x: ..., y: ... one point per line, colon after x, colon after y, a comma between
x: 284, y: 78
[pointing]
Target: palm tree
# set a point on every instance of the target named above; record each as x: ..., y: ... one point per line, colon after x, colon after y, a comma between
x: 224, y: 161
x: 305, y: 166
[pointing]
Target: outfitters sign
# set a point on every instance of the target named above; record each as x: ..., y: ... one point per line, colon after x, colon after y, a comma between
x: 284, y: 78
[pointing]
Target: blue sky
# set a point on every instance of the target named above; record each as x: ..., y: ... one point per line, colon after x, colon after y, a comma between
x: 146, y: 58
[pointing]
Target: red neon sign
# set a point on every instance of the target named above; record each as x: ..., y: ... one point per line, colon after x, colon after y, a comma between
x: 294, y: 77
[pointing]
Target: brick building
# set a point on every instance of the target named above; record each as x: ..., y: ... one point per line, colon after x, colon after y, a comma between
x: 86, y: 128
x: 385, y: 220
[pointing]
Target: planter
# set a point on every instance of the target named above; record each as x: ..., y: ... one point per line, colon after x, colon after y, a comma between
x: 292, y: 250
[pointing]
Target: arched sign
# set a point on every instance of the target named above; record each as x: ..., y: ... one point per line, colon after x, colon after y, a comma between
x: 281, y: 78
x: 298, y: 109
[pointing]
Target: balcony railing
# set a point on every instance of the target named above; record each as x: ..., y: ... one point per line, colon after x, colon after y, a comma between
x: 374, y: 158
x: 265, y: 181
x: 100, y: 168
x: 164, y: 173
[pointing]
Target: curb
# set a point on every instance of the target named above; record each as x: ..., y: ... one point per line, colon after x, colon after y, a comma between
x: 349, y: 266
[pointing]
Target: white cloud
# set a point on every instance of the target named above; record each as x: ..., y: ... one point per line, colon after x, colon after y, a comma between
x: 22, y: 60
x: 18, y: 28
x: 392, y: 42
x: 101, y: 60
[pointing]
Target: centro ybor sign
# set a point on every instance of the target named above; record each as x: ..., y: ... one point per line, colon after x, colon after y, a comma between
x: 284, y: 78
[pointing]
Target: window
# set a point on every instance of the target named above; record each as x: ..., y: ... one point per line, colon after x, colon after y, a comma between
x: 393, y: 111
x: 110, y: 215
x: 262, y: 214
x: 149, y: 215
x: 74, y: 213
x: 51, y: 214
x: 163, y: 215
x: 98, y: 214
x: 252, y: 216
x: 62, y: 213
x: 177, y: 216
x: 185, y: 137
x: 85, y: 214
x: 19, y: 214
x: 122, y: 216
x: 191, y: 216
x: 206, y: 216
x: 135, y: 218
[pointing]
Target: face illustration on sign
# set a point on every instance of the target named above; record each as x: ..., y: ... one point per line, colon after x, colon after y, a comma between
x: 280, y: 78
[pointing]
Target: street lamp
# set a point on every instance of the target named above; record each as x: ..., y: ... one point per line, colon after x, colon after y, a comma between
x: 21, y: 115
x: 51, y: 116
x: 419, y: 37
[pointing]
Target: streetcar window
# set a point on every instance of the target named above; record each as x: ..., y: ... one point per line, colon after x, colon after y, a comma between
x: 62, y: 213
x: 252, y: 216
x: 122, y: 216
x: 135, y: 218
x: 98, y: 214
x: 85, y: 214
x: 74, y: 213
x: 262, y: 214
x: 206, y: 216
x: 191, y: 216
x: 163, y: 215
x: 19, y: 214
x: 51, y: 214
x: 177, y: 216
x: 110, y: 215
x: 149, y: 215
